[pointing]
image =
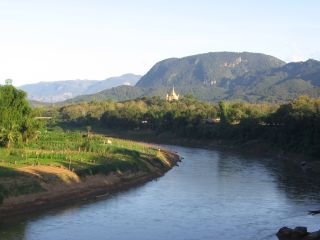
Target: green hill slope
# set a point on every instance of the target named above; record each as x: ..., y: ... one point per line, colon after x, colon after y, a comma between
x: 120, y: 93
x: 279, y: 84
x: 209, y: 69
x: 251, y: 77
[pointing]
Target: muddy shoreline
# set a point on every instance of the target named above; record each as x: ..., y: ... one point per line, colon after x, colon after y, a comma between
x: 88, y: 188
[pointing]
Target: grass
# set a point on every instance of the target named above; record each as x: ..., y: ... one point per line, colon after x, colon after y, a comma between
x: 77, y: 151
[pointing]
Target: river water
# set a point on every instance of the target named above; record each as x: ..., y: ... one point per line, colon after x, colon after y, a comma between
x: 211, y: 195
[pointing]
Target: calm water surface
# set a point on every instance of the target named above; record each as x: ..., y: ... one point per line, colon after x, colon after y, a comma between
x: 211, y: 195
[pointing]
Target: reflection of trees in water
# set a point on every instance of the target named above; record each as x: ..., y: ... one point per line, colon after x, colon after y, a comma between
x: 12, y: 231
x: 289, y: 177
x: 14, y: 228
x: 295, y: 182
x: 230, y: 167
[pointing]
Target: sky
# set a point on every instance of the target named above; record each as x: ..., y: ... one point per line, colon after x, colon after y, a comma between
x: 50, y: 40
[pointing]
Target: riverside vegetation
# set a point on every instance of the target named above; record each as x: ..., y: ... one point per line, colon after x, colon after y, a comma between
x: 33, y: 156
x: 37, y: 158
x: 26, y: 144
x: 289, y: 127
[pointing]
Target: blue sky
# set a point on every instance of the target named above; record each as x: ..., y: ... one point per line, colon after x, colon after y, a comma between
x: 47, y: 40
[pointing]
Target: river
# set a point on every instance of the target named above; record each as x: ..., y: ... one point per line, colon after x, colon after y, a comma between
x: 211, y: 195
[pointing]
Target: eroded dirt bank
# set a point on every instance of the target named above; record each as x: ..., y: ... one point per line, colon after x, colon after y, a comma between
x: 62, y: 187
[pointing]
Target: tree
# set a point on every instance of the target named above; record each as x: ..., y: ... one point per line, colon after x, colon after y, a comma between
x: 16, y: 117
x: 223, y: 111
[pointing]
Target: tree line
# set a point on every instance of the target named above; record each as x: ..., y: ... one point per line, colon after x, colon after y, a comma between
x: 290, y: 126
x: 294, y: 126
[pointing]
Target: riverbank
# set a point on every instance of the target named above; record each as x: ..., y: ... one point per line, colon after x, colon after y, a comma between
x: 233, y: 191
x: 257, y: 148
x: 254, y: 148
x: 28, y: 186
x: 79, y: 189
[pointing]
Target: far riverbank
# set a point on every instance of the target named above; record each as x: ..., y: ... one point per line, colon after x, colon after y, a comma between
x: 253, y: 148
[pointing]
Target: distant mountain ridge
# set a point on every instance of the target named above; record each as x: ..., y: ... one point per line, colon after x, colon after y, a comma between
x: 252, y: 77
x: 62, y: 90
x: 222, y: 75
x: 120, y: 93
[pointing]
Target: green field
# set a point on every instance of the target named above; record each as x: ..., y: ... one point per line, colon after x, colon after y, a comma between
x: 80, y: 152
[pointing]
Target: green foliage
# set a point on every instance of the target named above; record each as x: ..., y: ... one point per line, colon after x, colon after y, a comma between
x: 293, y: 126
x: 297, y: 125
x: 223, y: 110
x: 17, y: 121
x: 77, y: 151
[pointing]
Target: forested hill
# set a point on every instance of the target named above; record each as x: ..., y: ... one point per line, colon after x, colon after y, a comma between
x: 279, y: 84
x: 120, y: 93
x: 209, y: 69
x: 251, y: 77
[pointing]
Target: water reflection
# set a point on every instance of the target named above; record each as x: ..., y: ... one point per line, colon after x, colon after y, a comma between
x: 212, y: 195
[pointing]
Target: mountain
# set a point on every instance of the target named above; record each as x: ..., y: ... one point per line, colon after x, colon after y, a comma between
x: 279, y: 84
x: 208, y: 69
x: 62, y: 90
x: 120, y: 93
x: 252, y: 77
x: 37, y: 104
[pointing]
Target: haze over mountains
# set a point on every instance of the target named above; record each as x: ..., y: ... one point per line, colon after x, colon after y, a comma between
x: 63, y: 90
x: 214, y: 76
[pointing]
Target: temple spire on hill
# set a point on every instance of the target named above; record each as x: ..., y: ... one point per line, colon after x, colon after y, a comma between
x: 172, y: 96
